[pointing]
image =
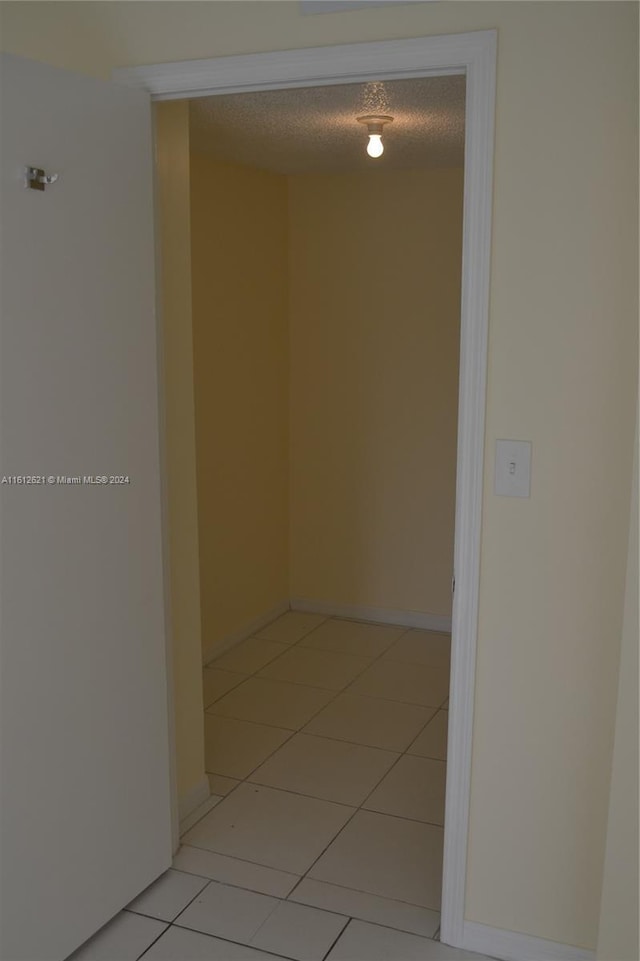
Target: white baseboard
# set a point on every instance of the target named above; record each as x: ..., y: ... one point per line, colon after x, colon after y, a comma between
x: 197, y: 796
x: 187, y: 823
x: 512, y: 946
x: 214, y: 650
x: 427, y: 622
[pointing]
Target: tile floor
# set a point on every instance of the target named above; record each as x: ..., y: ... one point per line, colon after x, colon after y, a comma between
x: 326, y: 755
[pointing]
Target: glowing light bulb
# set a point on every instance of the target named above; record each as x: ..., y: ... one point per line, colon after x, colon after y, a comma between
x: 375, y: 147
x: 374, y: 124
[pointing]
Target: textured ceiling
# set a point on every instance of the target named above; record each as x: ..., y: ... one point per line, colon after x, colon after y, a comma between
x: 315, y: 128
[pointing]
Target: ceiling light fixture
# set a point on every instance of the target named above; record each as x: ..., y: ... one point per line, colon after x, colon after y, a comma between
x: 374, y: 124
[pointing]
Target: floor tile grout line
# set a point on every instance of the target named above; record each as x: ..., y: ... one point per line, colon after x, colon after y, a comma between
x: 189, y: 903
x: 312, y: 797
x: 311, y: 718
x: 283, y: 901
x: 373, y: 659
x: 288, y: 897
x: 297, y: 642
x: 149, y: 946
x: 220, y: 798
x: 379, y: 897
x: 316, y: 797
x: 263, y: 640
x: 231, y: 717
x: 244, y: 678
x: 245, y: 779
x: 325, y: 618
x: 334, y: 617
x: 326, y: 848
x: 348, y: 921
x: 241, y: 944
x: 235, y: 857
x: 340, y: 740
x: 420, y: 733
x: 344, y: 690
x: 330, y: 737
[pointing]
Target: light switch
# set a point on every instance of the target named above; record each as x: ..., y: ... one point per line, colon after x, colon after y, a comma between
x: 513, y: 468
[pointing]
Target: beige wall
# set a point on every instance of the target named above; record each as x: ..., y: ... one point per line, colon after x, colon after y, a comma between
x: 562, y: 373
x: 172, y: 139
x: 562, y: 366
x: 618, y: 932
x: 241, y: 356
x: 375, y: 319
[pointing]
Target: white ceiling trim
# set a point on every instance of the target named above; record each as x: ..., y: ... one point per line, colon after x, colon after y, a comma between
x: 312, y: 66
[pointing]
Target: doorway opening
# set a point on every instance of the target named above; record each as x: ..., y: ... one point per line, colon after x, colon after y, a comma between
x: 474, y: 57
x: 326, y: 323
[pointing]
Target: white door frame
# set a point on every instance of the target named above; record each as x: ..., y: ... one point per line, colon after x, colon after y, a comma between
x: 473, y: 54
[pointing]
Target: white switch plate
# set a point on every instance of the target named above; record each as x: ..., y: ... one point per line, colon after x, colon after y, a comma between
x: 513, y: 468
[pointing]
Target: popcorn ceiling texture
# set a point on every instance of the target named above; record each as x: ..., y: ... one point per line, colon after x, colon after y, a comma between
x: 315, y: 129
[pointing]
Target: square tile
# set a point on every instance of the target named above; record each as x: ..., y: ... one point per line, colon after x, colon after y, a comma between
x: 364, y: 720
x: 248, y: 656
x: 371, y: 942
x: 410, y: 683
x: 421, y: 647
x: 227, y: 912
x: 413, y: 788
x: 221, y: 785
x: 384, y: 855
x: 367, y: 907
x: 276, y: 828
x: 125, y: 937
x: 236, y: 748
x: 432, y: 742
x: 352, y: 637
x: 302, y: 665
x: 273, y: 702
x: 291, y: 626
x: 242, y: 874
x: 216, y: 683
x: 168, y: 896
x: 180, y: 944
x: 324, y: 768
x: 299, y: 932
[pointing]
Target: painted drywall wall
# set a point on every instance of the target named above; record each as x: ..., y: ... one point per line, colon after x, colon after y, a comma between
x: 375, y: 261
x: 562, y: 366
x: 241, y: 356
x: 172, y: 147
x: 562, y: 374
x: 618, y: 932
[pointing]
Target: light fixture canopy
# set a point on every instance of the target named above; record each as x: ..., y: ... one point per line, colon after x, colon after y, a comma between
x: 375, y: 125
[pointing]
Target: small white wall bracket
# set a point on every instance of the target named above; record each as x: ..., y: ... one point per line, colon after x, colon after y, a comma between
x: 36, y: 179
